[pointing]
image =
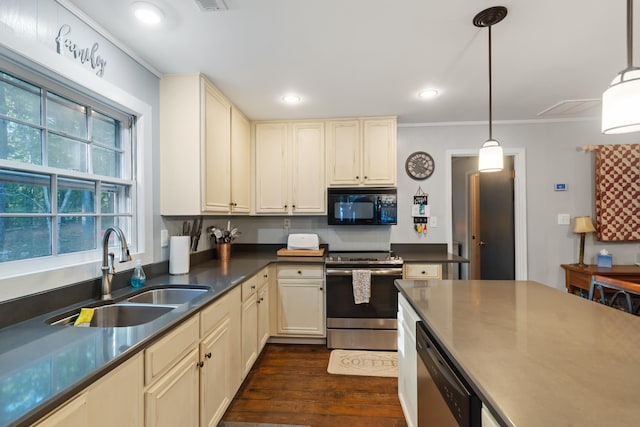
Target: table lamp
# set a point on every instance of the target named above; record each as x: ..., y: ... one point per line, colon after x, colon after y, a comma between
x: 582, y: 225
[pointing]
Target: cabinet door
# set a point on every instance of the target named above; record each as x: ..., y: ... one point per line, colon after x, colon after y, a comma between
x: 72, y: 414
x: 379, y: 152
x: 301, y: 307
x: 263, y: 317
x: 407, y: 359
x: 249, y: 332
x: 271, y: 168
x: 343, y: 152
x: 308, y: 188
x: 217, y: 154
x: 173, y: 399
x: 215, y: 376
x: 240, y: 162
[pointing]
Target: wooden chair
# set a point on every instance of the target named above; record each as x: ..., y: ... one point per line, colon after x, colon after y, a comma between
x: 611, y: 290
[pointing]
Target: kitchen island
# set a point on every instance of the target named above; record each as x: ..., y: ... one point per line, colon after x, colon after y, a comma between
x: 535, y: 355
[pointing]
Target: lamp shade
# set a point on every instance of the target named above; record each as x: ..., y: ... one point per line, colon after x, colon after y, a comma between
x: 621, y: 104
x: 490, y: 158
x: 583, y: 224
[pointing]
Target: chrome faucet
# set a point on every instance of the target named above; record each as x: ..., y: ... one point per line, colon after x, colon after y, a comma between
x: 108, y: 269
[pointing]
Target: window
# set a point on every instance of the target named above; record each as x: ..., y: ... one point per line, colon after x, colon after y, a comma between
x: 66, y: 169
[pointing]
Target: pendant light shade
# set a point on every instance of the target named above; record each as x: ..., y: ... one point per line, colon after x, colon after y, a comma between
x: 621, y: 101
x: 490, y: 157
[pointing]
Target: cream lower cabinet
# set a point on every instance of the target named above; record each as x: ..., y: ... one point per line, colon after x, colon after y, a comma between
x: 121, y: 389
x: 290, y: 168
x: 421, y: 271
x: 301, y: 300
x: 221, y: 369
x: 362, y: 152
x: 255, y: 317
x: 407, y: 359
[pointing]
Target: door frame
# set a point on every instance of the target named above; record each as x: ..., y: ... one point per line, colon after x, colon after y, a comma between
x: 519, y: 202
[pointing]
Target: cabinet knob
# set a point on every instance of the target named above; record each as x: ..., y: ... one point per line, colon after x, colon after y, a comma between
x: 299, y: 272
x: 266, y: 275
x: 253, y: 286
x: 286, y: 206
x: 321, y: 289
x: 423, y: 272
x: 365, y: 177
x: 261, y: 299
x: 258, y: 301
x: 293, y: 206
x: 200, y: 364
x: 230, y: 203
x: 357, y: 177
x: 208, y: 355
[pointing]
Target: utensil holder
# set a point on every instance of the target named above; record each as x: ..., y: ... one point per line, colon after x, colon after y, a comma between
x: 224, y: 251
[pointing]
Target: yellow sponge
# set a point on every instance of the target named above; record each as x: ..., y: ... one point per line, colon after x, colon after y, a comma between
x: 84, y: 318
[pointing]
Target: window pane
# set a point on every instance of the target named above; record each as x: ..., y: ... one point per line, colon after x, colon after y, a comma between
x: 76, y: 196
x: 20, y: 143
x: 117, y: 221
x: 66, y: 153
x: 105, y: 162
x: 76, y: 233
x: 24, y: 237
x: 19, y: 99
x: 115, y: 199
x: 105, y: 130
x: 66, y: 116
x: 22, y: 192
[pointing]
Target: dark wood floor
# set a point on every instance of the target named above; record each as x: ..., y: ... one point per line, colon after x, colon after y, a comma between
x: 289, y: 384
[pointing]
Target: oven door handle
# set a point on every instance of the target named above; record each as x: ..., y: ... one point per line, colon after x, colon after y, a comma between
x: 374, y: 271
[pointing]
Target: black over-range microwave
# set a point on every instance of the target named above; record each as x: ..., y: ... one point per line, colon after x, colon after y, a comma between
x: 362, y: 206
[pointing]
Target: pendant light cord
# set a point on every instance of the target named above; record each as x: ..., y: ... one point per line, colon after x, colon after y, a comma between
x: 629, y: 34
x: 490, y: 89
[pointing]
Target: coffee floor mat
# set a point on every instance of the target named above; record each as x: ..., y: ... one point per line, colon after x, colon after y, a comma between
x: 363, y: 362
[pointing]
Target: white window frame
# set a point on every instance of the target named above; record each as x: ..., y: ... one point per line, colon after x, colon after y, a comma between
x: 20, y: 278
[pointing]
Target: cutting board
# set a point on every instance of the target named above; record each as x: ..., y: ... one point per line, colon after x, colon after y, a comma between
x: 300, y: 252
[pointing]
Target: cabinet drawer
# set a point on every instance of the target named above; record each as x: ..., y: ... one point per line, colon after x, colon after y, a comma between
x: 422, y: 271
x: 297, y: 271
x: 166, y: 352
x: 211, y: 316
x: 249, y: 287
x: 263, y: 277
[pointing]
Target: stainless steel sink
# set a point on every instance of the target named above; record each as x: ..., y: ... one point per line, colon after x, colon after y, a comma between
x: 118, y: 315
x: 167, y: 296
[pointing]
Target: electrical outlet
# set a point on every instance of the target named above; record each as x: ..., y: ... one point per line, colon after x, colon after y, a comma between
x: 287, y: 223
x: 433, y: 221
x: 164, y: 238
x: 564, y: 219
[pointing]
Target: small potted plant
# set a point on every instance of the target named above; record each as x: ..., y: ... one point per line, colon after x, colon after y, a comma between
x: 222, y: 239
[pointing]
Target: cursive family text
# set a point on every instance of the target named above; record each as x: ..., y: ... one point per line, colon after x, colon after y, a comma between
x: 84, y: 55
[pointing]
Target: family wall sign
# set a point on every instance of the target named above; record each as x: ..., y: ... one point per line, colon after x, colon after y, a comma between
x: 85, y: 55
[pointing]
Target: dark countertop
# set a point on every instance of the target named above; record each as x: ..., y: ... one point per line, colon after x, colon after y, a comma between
x: 430, y: 253
x: 535, y: 355
x: 42, y: 366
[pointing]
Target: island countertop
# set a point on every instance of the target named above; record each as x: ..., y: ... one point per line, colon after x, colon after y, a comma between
x: 535, y: 355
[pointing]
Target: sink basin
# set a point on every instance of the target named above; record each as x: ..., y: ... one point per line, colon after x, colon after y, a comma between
x: 170, y: 296
x: 118, y: 315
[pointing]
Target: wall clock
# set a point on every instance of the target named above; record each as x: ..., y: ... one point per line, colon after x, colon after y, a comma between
x: 419, y: 165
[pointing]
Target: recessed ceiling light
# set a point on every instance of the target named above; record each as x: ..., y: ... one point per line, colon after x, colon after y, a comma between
x: 147, y: 12
x: 291, y: 99
x: 428, y: 93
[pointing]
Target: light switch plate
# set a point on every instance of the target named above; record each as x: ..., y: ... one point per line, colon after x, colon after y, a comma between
x: 564, y: 219
x: 433, y: 221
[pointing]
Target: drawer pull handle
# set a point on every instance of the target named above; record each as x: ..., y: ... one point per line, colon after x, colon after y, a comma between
x: 253, y: 286
x: 424, y: 272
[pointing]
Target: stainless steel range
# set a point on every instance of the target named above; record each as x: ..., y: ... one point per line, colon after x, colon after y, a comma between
x: 372, y: 325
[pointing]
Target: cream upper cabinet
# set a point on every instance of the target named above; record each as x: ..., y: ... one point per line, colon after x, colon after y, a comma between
x: 271, y: 168
x: 362, y: 152
x: 197, y: 159
x: 290, y: 168
x: 240, y: 201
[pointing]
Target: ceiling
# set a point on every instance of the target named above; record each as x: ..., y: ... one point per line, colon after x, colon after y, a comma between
x: 350, y: 58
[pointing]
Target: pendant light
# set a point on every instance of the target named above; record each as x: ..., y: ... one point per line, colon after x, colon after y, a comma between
x: 621, y: 101
x: 490, y: 158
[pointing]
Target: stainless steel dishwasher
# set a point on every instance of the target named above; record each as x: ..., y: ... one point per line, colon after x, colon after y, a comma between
x: 443, y: 398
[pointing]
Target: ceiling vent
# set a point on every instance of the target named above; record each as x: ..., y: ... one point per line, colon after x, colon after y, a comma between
x: 211, y: 5
x: 572, y: 107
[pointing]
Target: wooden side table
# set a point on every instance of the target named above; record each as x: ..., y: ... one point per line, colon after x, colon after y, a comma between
x: 578, y: 278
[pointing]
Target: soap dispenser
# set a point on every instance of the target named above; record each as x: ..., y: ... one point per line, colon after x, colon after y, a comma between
x: 138, y: 278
